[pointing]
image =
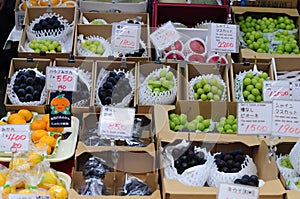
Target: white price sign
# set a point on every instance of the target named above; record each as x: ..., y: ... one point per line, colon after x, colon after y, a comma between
x: 286, y: 118
x: 116, y: 123
x: 296, y: 90
x: 276, y: 90
x: 254, y: 118
x: 164, y: 36
x: 125, y: 37
x: 14, y: 136
x: 61, y: 78
x: 28, y: 196
x: 234, y: 191
x: 223, y: 38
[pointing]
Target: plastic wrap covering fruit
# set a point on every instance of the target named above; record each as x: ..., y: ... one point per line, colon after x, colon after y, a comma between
x: 82, y: 96
x: 251, y: 180
x: 207, y: 88
x: 94, y: 21
x: 248, y: 86
x: 114, y: 88
x: 141, y: 52
x: 286, y: 168
x: 135, y: 187
x: 49, y: 26
x: 215, y: 58
x: 27, y: 87
x: 195, y: 45
x: 293, y: 183
x: 227, y: 124
x: 229, y: 166
x: 159, y: 87
x: 190, y: 165
x: 93, y: 45
x: 45, y: 45
x: 294, y: 157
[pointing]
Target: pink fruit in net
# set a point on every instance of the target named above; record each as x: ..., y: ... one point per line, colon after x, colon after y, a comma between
x: 215, y: 58
x: 174, y: 55
x: 197, y: 46
x: 176, y: 46
x: 196, y: 58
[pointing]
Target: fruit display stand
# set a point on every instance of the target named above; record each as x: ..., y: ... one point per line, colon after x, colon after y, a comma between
x: 273, y: 3
x: 210, y: 111
x: 118, y: 88
x: 105, y: 32
x: 66, y: 41
x: 81, y: 102
x: 110, y: 18
x: 286, y: 68
x: 256, y: 12
x: 187, y: 14
x: 20, y: 64
x: 267, y: 172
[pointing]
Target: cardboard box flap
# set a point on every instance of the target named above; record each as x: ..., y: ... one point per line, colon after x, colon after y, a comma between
x: 278, y: 141
x: 242, y: 10
x: 292, y: 194
x: 271, y: 188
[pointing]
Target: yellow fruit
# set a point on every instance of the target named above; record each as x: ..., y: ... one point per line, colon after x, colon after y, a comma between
x: 9, y: 189
x: 25, y: 191
x: 26, y: 113
x: 43, y: 147
x: 54, y: 129
x: 15, y: 116
x: 34, y: 158
x: 38, y: 125
x: 19, y: 164
x: 51, y: 141
x: 49, y: 179
x: 53, y: 2
x: 58, y: 192
x: 38, y: 134
x: 3, y: 123
x: 2, y: 179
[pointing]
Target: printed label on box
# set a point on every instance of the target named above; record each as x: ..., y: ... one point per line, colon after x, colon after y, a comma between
x: 234, y: 191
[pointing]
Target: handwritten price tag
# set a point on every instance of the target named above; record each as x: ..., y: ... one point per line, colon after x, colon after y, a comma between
x: 254, y: 118
x: 61, y: 78
x: 164, y: 36
x: 296, y: 90
x: 125, y: 37
x: 223, y: 38
x: 234, y: 191
x: 286, y: 118
x: 16, y: 136
x: 28, y: 196
x: 275, y: 90
x: 116, y: 123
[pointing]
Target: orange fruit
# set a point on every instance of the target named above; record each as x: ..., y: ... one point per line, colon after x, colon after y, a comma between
x: 54, y: 129
x: 34, y: 158
x: 45, y: 3
x: 51, y: 141
x: 43, y: 146
x: 15, y: 116
x: 38, y: 125
x: 3, y: 123
x: 26, y: 113
x: 18, y: 121
x: 25, y: 191
x: 38, y: 134
x: 49, y: 179
x: 46, y: 118
x: 2, y: 179
x: 58, y: 192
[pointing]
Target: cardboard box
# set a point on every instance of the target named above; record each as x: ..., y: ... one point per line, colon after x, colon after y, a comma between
x: 18, y: 64
x: 110, y: 66
x: 292, y: 194
x: 86, y: 66
x: 90, y: 128
x: 136, y: 6
x: 193, y: 70
x: 272, y: 187
x: 209, y: 110
x: 114, y: 184
x: 105, y: 31
x: 68, y: 13
x: 236, y: 68
x: 285, y: 68
x: 114, y: 17
x: 246, y: 53
x: 269, y: 3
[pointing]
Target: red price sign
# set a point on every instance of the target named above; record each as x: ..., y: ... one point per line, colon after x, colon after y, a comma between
x: 116, y: 127
x: 223, y: 44
x: 61, y: 78
x: 14, y: 136
x: 256, y: 128
x: 275, y: 90
x: 286, y: 118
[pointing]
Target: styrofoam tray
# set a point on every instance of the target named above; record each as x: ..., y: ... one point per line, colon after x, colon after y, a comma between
x: 65, y: 178
x: 66, y: 148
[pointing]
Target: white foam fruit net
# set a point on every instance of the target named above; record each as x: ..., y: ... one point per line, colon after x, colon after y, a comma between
x: 287, y: 173
x: 197, y: 79
x: 13, y: 97
x: 187, y: 46
x: 85, y: 77
x: 216, y: 177
x: 146, y: 96
x: 60, y: 34
x: 82, y: 51
x: 294, y: 157
x: 102, y: 78
x: 193, y: 176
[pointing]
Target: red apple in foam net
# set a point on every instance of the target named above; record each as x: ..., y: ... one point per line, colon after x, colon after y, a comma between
x: 175, y: 55
x: 178, y: 45
x: 197, y: 45
x: 196, y: 58
x: 215, y: 58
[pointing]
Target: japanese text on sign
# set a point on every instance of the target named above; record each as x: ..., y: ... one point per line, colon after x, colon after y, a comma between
x: 296, y: 90
x: 28, y: 196
x: 61, y: 78
x: 254, y: 118
x: 234, y: 191
x: 223, y: 38
x: 125, y: 37
x: 14, y: 136
x: 276, y: 90
x: 116, y: 123
x: 286, y: 117
x: 164, y: 36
